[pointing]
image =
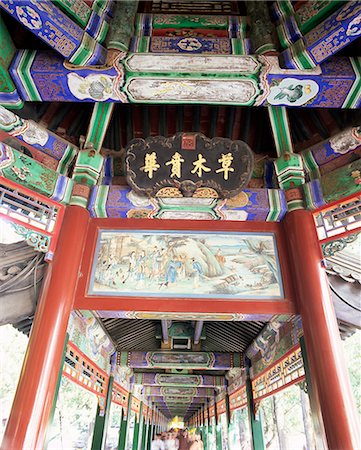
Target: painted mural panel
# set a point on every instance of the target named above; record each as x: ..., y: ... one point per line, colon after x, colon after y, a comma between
x: 86, y: 333
x: 186, y: 264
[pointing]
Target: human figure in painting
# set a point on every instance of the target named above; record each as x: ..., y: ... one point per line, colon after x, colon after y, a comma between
x: 220, y: 258
x: 131, y: 267
x: 140, y: 269
x: 156, y: 261
x: 171, y: 271
x: 197, y: 272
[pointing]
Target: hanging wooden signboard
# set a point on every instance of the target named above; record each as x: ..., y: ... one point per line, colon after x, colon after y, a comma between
x: 188, y: 165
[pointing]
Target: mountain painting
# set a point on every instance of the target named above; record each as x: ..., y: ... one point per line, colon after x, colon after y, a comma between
x: 186, y: 264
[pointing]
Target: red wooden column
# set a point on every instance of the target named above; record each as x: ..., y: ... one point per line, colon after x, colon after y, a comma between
x: 322, y: 338
x: 31, y: 409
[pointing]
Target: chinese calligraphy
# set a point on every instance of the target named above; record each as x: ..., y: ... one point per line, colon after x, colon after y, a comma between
x: 226, y: 161
x: 199, y: 166
x: 187, y: 165
x: 176, y: 163
x: 150, y: 164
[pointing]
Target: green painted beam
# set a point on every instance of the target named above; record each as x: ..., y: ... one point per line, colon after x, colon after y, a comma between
x: 280, y: 129
x: 138, y: 428
x: 101, y: 422
x: 124, y: 426
x: 255, y: 424
x: 98, y: 126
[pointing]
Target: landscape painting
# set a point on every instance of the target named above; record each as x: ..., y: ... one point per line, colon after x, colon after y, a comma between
x: 186, y: 264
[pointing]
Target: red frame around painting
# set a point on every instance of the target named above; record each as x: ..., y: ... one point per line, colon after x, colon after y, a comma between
x: 83, y: 300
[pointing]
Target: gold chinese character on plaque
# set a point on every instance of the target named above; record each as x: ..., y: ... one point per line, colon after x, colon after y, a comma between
x: 199, y: 166
x: 225, y: 160
x: 150, y: 164
x: 176, y: 163
x: 188, y: 165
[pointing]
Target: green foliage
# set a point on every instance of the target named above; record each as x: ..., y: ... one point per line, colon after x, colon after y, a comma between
x: 283, y: 424
x: 12, y: 352
x: 74, y: 417
x: 352, y: 352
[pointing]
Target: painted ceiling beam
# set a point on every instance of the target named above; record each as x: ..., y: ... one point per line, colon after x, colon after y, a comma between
x: 333, y: 186
x: 314, y: 47
x: 177, y: 400
x: 252, y: 204
x: 98, y: 126
x: 156, y: 391
x: 243, y: 80
x: 122, y: 26
x: 94, y: 22
x: 175, y: 380
x: 27, y: 172
x: 57, y: 30
x: 333, y: 153
x: 45, y: 146
x: 157, y: 315
x: 289, y: 165
x: 180, y: 360
x: 262, y: 30
x: 8, y: 93
x: 293, y: 22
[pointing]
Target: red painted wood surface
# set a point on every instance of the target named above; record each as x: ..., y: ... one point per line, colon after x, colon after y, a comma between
x: 327, y: 366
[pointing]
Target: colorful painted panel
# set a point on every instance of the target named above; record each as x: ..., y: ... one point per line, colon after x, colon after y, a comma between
x: 170, y: 380
x: 44, y: 76
x: 178, y: 391
x: 155, y: 315
x: 210, y: 64
x: 120, y: 396
x: 238, y: 399
x: 284, y: 372
x: 21, y: 169
x: 187, y: 264
x: 333, y: 84
x: 275, y: 341
x: 184, y: 90
x: 180, y: 360
x: 250, y: 204
x: 90, y: 338
x: 80, y: 369
x: 160, y: 44
x: 342, y: 182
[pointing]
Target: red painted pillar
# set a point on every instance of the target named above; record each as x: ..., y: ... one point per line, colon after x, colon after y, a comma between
x: 322, y: 338
x: 31, y: 409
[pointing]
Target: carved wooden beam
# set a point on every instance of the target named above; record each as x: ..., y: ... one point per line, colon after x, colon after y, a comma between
x: 56, y: 29
x: 174, y: 380
x: 181, y: 360
x: 182, y: 78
